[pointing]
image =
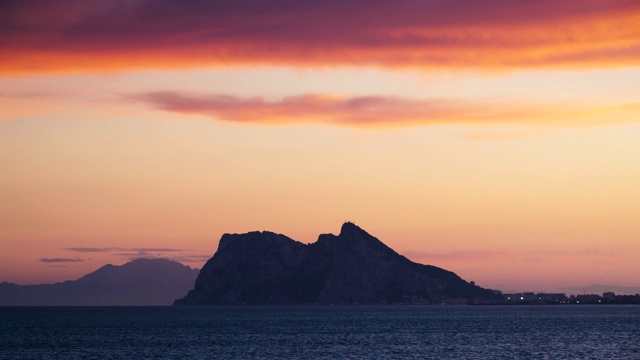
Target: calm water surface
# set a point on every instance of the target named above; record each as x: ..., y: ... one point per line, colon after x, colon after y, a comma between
x: 355, y: 332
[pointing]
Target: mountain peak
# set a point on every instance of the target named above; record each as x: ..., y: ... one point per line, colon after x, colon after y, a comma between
x: 139, y: 282
x: 349, y: 228
x: 352, y: 233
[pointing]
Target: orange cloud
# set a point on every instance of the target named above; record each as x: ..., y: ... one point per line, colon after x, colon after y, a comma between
x: 103, y: 35
x: 382, y: 111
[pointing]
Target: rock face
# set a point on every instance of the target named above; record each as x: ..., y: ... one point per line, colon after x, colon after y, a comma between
x: 140, y: 282
x: 353, y: 267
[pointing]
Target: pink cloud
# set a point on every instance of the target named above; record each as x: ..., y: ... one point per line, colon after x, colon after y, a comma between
x: 376, y: 111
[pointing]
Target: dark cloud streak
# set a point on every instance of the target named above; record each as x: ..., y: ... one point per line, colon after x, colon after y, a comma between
x: 158, y: 249
x: 94, y: 249
x: 111, y: 249
x: 133, y: 253
x: 60, y: 260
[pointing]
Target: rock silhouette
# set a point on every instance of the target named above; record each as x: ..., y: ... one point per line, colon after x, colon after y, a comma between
x: 352, y: 267
x: 139, y: 282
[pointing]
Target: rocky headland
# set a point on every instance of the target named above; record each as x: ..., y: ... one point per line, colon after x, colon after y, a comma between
x: 350, y: 268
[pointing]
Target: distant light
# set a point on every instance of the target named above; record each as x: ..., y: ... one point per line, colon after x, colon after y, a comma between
x: 521, y: 297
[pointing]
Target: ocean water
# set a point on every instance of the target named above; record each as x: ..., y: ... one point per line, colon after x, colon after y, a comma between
x: 315, y: 332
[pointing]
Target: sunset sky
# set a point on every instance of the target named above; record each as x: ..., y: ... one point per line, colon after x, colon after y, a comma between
x: 497, y: 139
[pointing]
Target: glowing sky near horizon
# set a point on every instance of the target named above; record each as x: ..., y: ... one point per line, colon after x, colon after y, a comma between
x: 496, y: 139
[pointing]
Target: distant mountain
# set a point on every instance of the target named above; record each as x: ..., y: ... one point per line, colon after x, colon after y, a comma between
x: 599, y: 289
x: 139, y: 282
x: 353, y: 267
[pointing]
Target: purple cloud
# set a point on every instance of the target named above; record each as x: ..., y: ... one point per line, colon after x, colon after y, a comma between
x: 60, y: 260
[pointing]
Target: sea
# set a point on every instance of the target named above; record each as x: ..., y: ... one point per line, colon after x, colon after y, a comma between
x: 322, y: 332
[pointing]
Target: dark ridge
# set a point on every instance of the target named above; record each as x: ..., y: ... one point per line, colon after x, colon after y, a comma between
x: 141, y: 282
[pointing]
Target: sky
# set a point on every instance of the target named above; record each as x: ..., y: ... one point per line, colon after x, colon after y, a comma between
x: 496, y: 139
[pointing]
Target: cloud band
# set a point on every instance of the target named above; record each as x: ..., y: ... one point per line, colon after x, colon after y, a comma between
x: 382, y: 111
x: 78, y: 35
